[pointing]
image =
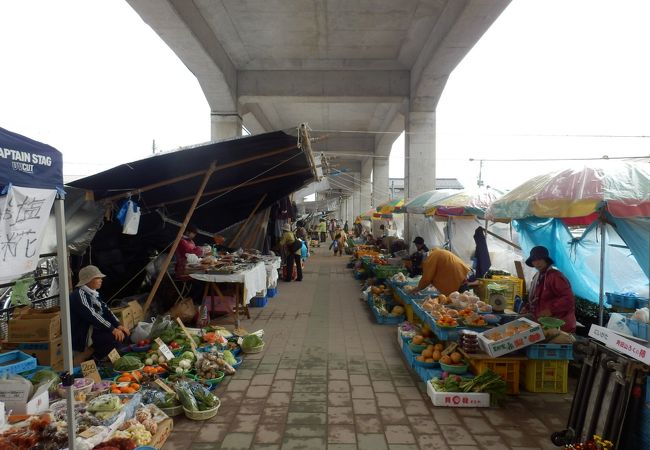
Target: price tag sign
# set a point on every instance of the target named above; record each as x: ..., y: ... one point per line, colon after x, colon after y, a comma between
x: 167, y: 353
x: 114, y: 355
x: 164, y: 386
x: 187, y: 334
x: 89, y: 370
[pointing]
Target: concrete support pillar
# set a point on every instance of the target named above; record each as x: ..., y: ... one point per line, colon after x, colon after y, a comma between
x: 349, y: 215
x: 380, y: 191
x: 225, y: 126
x: 366, y: 185
x: 356, y: 196
x: 420, y: 159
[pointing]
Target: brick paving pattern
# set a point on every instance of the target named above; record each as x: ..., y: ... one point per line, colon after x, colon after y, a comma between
x: 330, y: 378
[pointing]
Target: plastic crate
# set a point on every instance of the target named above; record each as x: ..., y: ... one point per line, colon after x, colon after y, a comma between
x: 513, y: 285
x: 626, y: 301
x: 547, y: 376
x: 550, y: 351
x: 638, y: 329
x: 387, y: 320
x: 516, y: 281
x: 259, y: 302
x: 16, y: 362
x: 506, y: 368
x: 271, y: 292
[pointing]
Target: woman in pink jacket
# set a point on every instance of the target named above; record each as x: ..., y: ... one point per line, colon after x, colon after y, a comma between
x: 550, y: 293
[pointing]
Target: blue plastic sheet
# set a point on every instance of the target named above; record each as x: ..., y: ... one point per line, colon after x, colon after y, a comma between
x: 635, y: 231
x: 578, y: 257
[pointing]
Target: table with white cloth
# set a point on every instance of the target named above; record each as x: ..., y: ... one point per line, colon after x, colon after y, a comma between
x: 272, y: 264
x: 247, y: 283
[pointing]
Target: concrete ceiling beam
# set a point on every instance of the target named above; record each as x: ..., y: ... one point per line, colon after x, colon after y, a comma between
x: 182, y: 27
x: 323, y: 86
x: 459, y: 26
x: 254, y: 119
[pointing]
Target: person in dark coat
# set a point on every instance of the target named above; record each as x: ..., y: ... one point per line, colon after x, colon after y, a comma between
x: 418, y: 256
x: 89, y: 312
x: 482, y: 255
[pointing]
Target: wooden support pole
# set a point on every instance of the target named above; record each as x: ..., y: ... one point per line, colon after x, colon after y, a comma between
x: 512, y: 244
x: 178, y: 179
x: 248, y: 219
x: 242, y: 185
x: 179, y: 235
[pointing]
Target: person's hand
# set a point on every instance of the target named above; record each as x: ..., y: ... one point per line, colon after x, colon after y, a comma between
x: 125, y: 330
x: 118, y: 334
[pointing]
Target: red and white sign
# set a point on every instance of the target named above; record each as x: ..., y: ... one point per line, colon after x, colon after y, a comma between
x: 621, y: 344
x: 458, y: 399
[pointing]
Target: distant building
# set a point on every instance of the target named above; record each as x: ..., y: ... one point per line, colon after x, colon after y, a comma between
x: 396, y: 185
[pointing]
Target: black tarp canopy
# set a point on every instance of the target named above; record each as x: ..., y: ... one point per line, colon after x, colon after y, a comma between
x: 248, y: 168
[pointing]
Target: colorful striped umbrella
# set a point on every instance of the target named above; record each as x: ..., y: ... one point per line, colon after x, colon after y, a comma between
x: 623, y: 187
x: 467, y: 202
x: 417, y: 204
x: 394, y: 206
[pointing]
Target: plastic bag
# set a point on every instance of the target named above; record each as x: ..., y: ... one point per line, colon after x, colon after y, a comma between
x: 131, y: 218
x: 141, y: 331
x: 618, y: 322
x: 642, y: 315
x: 160, y: 325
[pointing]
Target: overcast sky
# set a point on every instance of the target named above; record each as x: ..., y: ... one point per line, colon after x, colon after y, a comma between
x: 91, y: 79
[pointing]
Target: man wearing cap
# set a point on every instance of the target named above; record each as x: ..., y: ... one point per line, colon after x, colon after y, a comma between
x: 550, y: 293
x: 90, y: 316
x: 418, y: 256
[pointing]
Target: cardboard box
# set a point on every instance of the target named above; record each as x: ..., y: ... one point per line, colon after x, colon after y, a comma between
x: 34, y: 325
x: 165, y: 428
x: 532, y: 335
x: 15, y: 396
x: 125, y: 316
x: 458, y: 399
x: 47, y: 353
x: 136, y: 311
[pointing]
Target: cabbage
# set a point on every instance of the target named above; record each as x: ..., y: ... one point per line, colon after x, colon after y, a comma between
x: 188, y: 355
x: 251, y: 341
x: 43, y: 376
x: 229, y: 358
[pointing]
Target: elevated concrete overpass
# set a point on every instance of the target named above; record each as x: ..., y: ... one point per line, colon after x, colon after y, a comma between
x: 358, y: 71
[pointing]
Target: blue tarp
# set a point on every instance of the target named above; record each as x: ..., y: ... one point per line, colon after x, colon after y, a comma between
x: 579, y: 257
x: 28, y: 163
x: 635, y: 231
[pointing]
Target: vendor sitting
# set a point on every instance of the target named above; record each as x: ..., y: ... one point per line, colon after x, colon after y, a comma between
x: 550, y: 291
x: 444, y: 270
x: 418, y: 256
x: 185, y: 246
x: 90, y: 316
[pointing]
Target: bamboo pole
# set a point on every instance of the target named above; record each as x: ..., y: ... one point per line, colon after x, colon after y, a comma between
x: 248, y: 219
x: 494, y: 235
x: 242, y: 185
x: 180, y: 178
x: 179, y: 235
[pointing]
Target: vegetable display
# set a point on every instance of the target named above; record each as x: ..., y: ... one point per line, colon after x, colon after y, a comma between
x: 127, y: 363
x: 488, y: 382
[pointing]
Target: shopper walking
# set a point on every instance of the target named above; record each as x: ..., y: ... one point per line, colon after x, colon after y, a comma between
x: 322, y: 230
x: 292, y: 249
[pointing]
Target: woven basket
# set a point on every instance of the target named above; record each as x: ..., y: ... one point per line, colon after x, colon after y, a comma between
x: 202, y: 415
x: 257, y: 349
x: 173, y: 411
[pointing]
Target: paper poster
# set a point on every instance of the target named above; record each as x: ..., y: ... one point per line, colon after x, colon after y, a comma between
x: 24, y: 213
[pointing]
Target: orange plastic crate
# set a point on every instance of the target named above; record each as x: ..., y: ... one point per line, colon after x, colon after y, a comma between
x: 506, y: 368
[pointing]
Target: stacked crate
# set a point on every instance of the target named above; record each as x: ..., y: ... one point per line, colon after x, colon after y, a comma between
x: 547, y: 368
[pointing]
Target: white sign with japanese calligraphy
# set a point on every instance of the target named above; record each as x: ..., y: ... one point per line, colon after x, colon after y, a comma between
x: 624, y: 345
x: 24, y: 213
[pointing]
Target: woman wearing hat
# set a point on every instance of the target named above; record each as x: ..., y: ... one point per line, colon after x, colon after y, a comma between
x: 89, y: 315
x: 550, y: 293
x: 291, y: 256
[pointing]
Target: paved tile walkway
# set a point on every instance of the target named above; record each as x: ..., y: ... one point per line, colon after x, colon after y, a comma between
x: 330, y: 378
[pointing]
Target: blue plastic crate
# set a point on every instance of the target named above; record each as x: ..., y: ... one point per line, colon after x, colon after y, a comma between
x: 639, y: 329
x: 550, y: 351
x: 259, y: 302
x: 387, y: 320
x: 626, y: 301
x: 271, y: 292
x: 16, y: 362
